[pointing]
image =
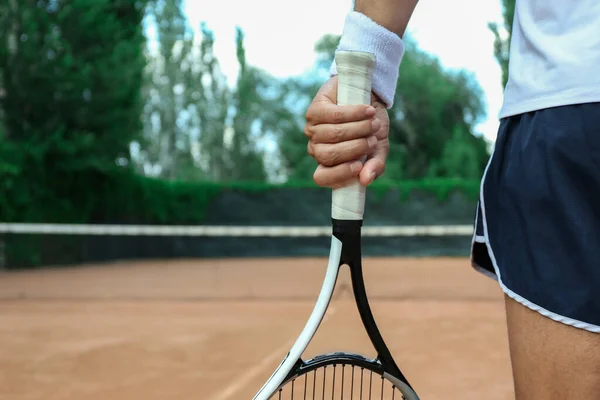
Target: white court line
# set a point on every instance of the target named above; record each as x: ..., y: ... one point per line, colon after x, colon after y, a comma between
x: 258, y: 369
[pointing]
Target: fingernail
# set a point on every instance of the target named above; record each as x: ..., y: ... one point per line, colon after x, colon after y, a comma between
x: 372, y: 176
x: 375, y: 125
x: 370, y: 111
x: 372, y: 141
x: 355, y: 166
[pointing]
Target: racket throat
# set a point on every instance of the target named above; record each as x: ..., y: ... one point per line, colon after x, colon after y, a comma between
x: 348, y: 233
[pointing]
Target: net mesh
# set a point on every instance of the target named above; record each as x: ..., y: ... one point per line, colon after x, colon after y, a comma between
x: 27, y: 245
x: 192, y: 263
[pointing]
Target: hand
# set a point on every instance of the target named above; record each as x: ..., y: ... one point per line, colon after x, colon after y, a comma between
x: 339, y: 136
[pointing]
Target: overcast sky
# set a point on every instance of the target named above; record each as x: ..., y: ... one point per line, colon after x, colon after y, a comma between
x: 454, y: 31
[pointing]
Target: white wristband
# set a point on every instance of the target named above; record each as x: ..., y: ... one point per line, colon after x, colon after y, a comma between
x: 363, y: 34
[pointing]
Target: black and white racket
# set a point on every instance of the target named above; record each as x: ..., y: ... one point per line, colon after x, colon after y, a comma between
x: 342, y: 375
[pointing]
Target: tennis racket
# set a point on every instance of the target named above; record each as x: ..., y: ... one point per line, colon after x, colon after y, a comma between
x: 342, y: 375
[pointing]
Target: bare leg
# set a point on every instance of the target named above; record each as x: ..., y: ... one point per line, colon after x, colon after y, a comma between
x: 551, y: 360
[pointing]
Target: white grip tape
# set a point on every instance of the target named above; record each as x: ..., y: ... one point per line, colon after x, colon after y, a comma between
x: 355, y: 74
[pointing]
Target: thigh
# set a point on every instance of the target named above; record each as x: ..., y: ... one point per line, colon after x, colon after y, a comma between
x: 551, y: 360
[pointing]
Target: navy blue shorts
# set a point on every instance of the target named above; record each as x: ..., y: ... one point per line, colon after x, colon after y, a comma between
x: 537, y: 228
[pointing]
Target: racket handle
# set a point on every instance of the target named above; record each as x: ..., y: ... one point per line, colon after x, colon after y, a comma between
x: 355, y: 73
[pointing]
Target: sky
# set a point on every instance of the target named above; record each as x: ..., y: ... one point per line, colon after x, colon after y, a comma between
x: 280, y: 36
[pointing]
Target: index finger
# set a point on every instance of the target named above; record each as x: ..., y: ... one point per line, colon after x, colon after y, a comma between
x: 328, y: 113
x: 324, y: 110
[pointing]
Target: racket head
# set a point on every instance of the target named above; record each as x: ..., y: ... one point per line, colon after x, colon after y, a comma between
x: 342, y: 375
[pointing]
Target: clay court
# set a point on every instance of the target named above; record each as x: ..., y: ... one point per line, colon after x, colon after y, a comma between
x: 216, y: 329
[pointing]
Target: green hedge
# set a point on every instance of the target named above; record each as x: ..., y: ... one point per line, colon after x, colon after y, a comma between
x: 134, y: 199
x: 124, y: 197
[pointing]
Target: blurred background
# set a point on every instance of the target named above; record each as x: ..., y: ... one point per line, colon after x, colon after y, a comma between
x: 154, y: 149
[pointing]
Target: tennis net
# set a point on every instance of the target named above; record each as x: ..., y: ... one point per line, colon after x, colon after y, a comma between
x: 32, y: 244
x: 239, y: 263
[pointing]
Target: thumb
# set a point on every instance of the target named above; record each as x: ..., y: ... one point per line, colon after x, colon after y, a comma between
x: 375, y: 165
x: 328, y: 91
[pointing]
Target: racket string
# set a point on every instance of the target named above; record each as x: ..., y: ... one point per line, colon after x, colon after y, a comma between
x: 352, y: 385
x: 340, y: 382
x: 305, y: 385
x: 324, y: 385
x: 333, y: 391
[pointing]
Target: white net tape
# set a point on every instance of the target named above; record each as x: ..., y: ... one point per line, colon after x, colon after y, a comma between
x: 232, y: 231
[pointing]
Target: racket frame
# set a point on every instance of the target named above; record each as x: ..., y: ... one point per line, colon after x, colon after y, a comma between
x: 345, y: 250
x: 354, y: 87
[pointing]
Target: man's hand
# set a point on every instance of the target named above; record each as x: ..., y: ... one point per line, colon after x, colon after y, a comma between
x: 339, y: 136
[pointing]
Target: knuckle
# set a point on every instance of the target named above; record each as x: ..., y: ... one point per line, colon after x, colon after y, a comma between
x: 337, y: 116
x: 317, y: 154
x: 318, y: 177
x: 362, y: 146
x: 337, y: 133
x: 327, y: 158
x: 309, y: 130
x: 310, y: 114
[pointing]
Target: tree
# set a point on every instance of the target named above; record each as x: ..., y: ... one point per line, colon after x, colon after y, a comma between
x: 72, y: 74
x: 246, y: 160
x: 61, y: 85
x: 211, y: 103
x: 172, y: 74
x: 502, y: 37
x: 196, y: 126
x: 431, y: 105
x: 284, y: 120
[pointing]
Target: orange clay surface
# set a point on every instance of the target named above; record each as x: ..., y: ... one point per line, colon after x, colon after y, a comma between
x: 216, y: 329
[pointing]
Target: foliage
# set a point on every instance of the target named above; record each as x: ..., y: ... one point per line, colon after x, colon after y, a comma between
x: 171, y: 82
x: 62, y: 89
x: 435, y: 111
x: 212, y: 103
x: 68, y: 114
x: 196, y: 126
x: 187, y: 101
x: 134, y: 199
x: 502, y: 35
x: 246, y: 162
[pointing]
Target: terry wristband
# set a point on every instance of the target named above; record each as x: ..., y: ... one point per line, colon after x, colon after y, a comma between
x: 363, y: 34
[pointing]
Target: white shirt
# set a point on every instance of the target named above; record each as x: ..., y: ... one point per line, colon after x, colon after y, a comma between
x: 554, y: 55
